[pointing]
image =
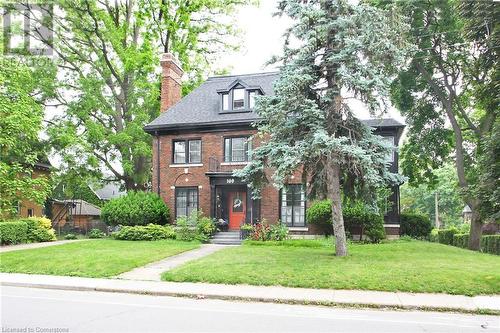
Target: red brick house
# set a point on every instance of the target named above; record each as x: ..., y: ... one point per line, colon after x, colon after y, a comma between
x: 201, y: 138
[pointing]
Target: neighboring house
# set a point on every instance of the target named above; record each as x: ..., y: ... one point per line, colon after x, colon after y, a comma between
x: 109, y: 191
x: 75, y: 216
x: 200, y: 139
x: 27, y: 208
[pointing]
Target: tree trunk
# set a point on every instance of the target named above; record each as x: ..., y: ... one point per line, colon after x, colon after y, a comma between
x: 333, y: 189
x: 476, y: 228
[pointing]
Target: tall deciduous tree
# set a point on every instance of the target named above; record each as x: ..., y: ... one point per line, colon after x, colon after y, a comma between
x: 20, y: 123
x: 449, y: 94
x: 343, y: 51
x: 108, y: 86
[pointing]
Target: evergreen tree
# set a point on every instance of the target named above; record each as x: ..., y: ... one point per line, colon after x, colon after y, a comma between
x: 343, y: 51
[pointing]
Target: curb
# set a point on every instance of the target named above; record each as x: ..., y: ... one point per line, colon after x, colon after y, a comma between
x: 342, y: 304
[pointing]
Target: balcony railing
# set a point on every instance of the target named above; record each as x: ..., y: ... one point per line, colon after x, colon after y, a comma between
x: 215, y: 166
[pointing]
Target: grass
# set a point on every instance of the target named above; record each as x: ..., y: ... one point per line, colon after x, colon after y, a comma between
x: 92, y: 258
x: 412, y: 266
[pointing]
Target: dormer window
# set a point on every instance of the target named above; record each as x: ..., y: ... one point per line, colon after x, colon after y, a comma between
x: 238, y: 97
x: 225, y: 102
x: 251, y: 98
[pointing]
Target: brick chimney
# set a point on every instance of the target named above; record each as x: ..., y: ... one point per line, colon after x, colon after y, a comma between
x: 171, y: 85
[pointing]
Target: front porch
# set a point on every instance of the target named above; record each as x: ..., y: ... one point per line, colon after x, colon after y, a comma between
x: 231, y: 201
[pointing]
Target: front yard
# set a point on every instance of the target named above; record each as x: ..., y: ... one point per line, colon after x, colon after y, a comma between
x: 93, y: 258
x: 412, y: 266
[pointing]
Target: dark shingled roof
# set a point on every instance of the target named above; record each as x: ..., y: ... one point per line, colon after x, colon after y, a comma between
x: 202, y: 106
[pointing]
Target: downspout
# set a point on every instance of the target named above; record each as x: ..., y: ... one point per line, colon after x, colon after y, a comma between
x: 157, y: 163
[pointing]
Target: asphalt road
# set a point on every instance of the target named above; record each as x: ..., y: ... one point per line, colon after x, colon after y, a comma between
x: 39, y: 310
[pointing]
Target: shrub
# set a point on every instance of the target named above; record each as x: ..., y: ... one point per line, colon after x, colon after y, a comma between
x: 434, y: 235
x: 445, y: 236
x: 490, y: 244
x: 355, y: 216
x: 40, y: 229
x: 186, y: 229
x: 135, y: 208
x: 150, y: 232
x: 96, y: 233
x: 13, y: 232
x: 370, y: 224
x: 320, y: 214
x: 70, y: 236
x: 415, y: 225
x: 461, y: 240
x: 195, y: 226
x: 265, y: 232
x: 278, y: 232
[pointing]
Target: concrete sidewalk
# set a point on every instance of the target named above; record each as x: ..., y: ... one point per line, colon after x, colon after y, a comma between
x: 9, y: 248
x: 259, y: 293
x: 153, y: 271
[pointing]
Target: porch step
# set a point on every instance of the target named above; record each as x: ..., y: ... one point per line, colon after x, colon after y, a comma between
x: 226, y: 237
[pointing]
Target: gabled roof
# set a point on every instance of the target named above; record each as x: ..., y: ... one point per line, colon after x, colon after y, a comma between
x: 202, y: 107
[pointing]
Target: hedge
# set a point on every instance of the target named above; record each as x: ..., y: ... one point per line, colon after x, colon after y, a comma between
x: 148, y: 232
x: 415, y: 225
x: 135, y: 208
x: 491, y: 244
x: 445, y: 236
x: 461, y: 240
x: 33, y: 229
x: 13, y: 232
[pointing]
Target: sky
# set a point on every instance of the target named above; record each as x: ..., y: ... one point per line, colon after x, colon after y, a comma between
x: 262, y: 37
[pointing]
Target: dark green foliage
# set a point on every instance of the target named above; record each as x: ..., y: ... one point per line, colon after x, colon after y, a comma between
x: 461, y: 240
x: 13, y: 232
x: 320, y: 213
x: 150, y: 232
x: 33, y: 229
x: 445, y: 236
x: 491, y: 244
x: 415, y: 225
x: 371, y: 224
x: 96, y: 233
x: 70, y: 236
x: 135, y: 208
x: 356, y: 216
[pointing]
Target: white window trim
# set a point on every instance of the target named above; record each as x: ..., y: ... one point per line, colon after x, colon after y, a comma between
x: 185, y: 165
x: 298, y: 228
x: 234, y: 163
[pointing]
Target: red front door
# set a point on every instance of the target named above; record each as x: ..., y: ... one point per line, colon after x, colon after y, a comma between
x: 237, y: 209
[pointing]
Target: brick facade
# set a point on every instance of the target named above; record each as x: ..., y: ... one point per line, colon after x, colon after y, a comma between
x: 167, y: 176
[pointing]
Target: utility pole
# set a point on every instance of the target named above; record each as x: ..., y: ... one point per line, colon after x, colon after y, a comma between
x: 436, y: 210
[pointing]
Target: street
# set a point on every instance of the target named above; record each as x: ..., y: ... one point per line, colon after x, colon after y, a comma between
x: 41, y: 310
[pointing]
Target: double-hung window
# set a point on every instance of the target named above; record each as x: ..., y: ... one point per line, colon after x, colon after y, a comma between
x: 187, y: 151
x: 390, y: 155
x: 186, y: 201
x: 293, y: 205
x: 237, y: 149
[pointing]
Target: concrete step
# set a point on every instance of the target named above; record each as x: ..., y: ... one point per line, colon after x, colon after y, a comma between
x: 226, y: 236
x: 226, y: 241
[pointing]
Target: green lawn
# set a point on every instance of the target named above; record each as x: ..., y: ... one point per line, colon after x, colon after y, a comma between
x: 412, y: 266
x: 92, y: 258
